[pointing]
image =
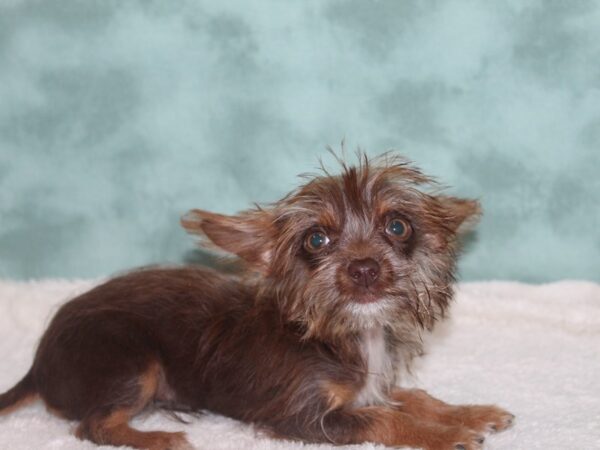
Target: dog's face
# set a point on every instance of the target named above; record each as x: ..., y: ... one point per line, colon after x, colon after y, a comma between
x: 350, y: 251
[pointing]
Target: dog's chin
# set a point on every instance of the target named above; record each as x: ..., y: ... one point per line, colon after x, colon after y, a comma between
x: 366, y: 313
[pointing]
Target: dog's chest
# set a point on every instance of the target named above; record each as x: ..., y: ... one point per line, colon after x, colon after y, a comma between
x: 380, y: 371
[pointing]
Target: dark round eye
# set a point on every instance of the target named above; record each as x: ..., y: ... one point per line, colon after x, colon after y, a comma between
x: 398, y: 228
x: 316, y: 241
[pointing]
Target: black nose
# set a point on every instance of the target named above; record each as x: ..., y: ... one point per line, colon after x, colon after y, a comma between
x: 364, y: 272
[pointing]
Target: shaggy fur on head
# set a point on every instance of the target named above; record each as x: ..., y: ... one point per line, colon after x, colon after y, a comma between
x: 341, y: 277
x: 352, y: 208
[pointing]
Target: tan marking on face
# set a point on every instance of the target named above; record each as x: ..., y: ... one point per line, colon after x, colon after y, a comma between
x: 328, y: 219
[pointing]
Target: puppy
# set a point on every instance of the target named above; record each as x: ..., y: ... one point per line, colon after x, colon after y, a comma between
x: 341, y: 276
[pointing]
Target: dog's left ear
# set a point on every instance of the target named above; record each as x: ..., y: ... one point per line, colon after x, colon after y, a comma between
x: 248, y: 234
x: 462, y: 214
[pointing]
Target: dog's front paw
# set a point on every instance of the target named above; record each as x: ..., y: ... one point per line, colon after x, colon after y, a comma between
x: 460, y: 438
x: 168, y: 441
x: 482, y: 418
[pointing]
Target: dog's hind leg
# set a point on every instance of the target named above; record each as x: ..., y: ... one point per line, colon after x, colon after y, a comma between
x: 111, y: 426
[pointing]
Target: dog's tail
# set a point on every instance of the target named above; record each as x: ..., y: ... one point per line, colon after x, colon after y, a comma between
x: 19, y: 395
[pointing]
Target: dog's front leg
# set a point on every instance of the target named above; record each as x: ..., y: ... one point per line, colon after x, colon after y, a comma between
x: 392, y: 427
x: 481, y: 418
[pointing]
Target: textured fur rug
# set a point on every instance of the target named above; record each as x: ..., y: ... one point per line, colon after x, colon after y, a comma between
x: 534, y: 350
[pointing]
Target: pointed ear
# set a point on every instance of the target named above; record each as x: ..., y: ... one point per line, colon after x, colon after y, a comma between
x: 462, y: 213
x: 247, y: 234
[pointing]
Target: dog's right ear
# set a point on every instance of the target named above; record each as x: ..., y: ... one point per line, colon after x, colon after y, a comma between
x: 462, y: 213
x: 248, y: 234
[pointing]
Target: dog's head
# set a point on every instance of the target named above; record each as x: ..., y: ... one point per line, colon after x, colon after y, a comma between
x: 344, y: 252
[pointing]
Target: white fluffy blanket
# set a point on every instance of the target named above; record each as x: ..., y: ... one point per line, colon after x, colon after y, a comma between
x: 534, y: 350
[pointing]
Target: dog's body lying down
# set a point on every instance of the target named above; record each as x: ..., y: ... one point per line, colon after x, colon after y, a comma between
x: 342, y: 276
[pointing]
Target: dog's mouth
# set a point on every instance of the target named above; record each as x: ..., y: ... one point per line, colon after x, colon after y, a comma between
x: 367, y: 297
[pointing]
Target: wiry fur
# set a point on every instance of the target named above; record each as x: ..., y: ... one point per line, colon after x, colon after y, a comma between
x: 305, y: 342
x: 419, y: 285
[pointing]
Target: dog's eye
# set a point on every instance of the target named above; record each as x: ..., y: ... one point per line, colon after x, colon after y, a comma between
x: 316, y: 241
x: 398, y: 228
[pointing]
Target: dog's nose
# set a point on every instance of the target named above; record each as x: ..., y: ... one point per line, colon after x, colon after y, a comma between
x: 364, y: 272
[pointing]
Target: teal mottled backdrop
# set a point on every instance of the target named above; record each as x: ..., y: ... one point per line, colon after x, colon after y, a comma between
x: 118, y: 116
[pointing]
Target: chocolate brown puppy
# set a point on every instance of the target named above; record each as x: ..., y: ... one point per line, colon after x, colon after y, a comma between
x: 341, y: 277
